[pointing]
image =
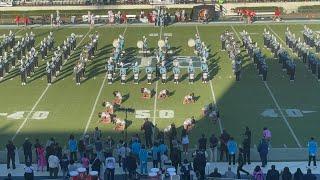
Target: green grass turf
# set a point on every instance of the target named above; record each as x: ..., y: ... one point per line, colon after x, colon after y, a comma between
x: 241, y: 103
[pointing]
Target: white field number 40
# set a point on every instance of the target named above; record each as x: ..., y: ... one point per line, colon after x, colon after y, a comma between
x: 37, y: 115
x: 164, y: 114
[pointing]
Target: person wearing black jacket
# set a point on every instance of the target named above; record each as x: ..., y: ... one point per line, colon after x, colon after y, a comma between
x: 246, y: 144
x: 273, y: 174
x: 64, y: 163
x: 11, y: 154
x: 199, y: 164
x: 298, y: 175
x: 175, y: 157
x: 213, y: 145
x: 131, y: 163
x: 96, y: 164
x: 27, y: 151
x: 240, y: 164
x: 148, y: 130
x: 202, y: 143
x: 185, y: 170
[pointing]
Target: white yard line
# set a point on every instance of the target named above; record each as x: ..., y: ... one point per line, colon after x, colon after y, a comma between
x: 275, y: 100
x: 283, y: 116
x: 284, y: 43
x: 98, y: 97
x: 33, y: 108
x: 29, y: 114
x: 212, y: 91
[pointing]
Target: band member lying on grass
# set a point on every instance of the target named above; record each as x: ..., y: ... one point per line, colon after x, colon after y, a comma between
x: 117, y: 98
x: 146, y: 93
x: 189, y: 99
x: 108, y: 106
x: 163, y: 94
x: 189, y: 123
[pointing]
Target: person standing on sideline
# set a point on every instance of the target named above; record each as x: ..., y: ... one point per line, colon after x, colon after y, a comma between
x: 147, y: 127
x: 273, y: 174
x: 224, y: 138
x: 131, y: 163
x: 64, y: 163
x: 110, y: 167
x: 263, y: 149
x: 143, y: 158
x: 246, y: 144
x: 53, y: 162
x: 240, y: 164
x: 266, y: 134
x: 232, y: 150
x: 27, y: 151
x: 202, y: 143
x: 73, y: 147
x: 213, y: 145
x: 185, y: 141
x: 96, y: 164
x: 11, y: 148
x: 312, y: 149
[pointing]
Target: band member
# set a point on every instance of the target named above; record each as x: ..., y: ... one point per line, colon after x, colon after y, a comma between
x: 110, y: 71
x: 123, y: 73
x: 105, y: 117
x: 176, y: 73
x: 120, y: 124
x: 13, y: 58
x: 189, y: 123
x: 211, y: 111
x: 189, y: 99
x: 117, y: 98
x: 1, y: 68
x: 204, y: 69
x: 49, y: 75
x: 108, y: 106
x: 163, y: 72
x: 146, y: 93
x: 6, y: 62
x: 145, y: 46
x: 149, y: 71
x: 191, y: 72
x: 135, y: 70
x: 23, y: 74
x: 163, y: 94
x: 78, y: 72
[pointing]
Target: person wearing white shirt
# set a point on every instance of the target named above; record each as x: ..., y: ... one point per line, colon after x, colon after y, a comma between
x: 28, y: 171
x: 53, y: 165
x: 110, y: 164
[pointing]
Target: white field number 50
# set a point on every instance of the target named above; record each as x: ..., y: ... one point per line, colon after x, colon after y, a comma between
x: 164, y: 114
x: 38, y: 115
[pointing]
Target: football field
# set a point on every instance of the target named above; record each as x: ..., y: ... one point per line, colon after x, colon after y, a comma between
x: 290, y: 110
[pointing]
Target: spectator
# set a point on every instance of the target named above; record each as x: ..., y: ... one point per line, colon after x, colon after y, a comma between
x: 85, y: 162
x: 64, y: 163
x: 230, y: 174
x: 232, y: 150
x: 298, y: 175
x: 164, y: 160
x: 123, y: 152
x: 162, y: 148
x: 27, y: 151
x: 309, y: 175
x: 143, y: 159
x: 199, y: 163
x: 215, y: 173
x: 11, y: 148
x: 28, y: 172
x: 224, y: 138
x: 257, y: 173
x: 213, y: 145
x: 135, y: 147
x: 41, y: 157
x: 57, y: 150
x: 273, y: 174
x: 73, y: 147
x: 184, y: 141
x: 246, y: 144
x: 263, y: 151
x: 240, y: 164
x: 8, y: 177
x: 312, y: 149
x: 109, y: 144
x: 36, y: 145
x: 98, y: 148
x: 72, y: 166
x: 53, y: 162
x: 202, y: 143
x: 81, y: 148
x: 96, y: 164
x: 286, y: 174
x: 110, y: 167
x: 175, y: 157
x: 155, y: 155
x: 49, y: 151
x: 172, y: 135
x: 266, y: 134
x: 185, y: 170
x: 131, y: 163
x: 97, y: 133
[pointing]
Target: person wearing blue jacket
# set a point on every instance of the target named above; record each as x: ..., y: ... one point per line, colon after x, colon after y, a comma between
x: 155, y: 153
x: 312, y: 149
x: 73, y: 147
x: 232, y: 150
x: 143, y: 159
x: 263, y: 150
x: 135, y: 147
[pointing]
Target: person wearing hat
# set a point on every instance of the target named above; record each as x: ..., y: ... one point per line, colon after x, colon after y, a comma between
x: 135, y: 70
x: 163, y: 73
x: 204, y: 69
x: 149, y: 71
x: 176, y: 73
x: 23, y: 74
x: 110, y: 71
x: 191, y: 72
x: 123, y: 73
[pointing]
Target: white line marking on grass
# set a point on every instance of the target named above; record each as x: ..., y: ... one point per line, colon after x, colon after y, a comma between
x: 30, y: 112
x: 211, y: 88
x: 98, y: 97
x: 283, y: 116
x: 284, y: 43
